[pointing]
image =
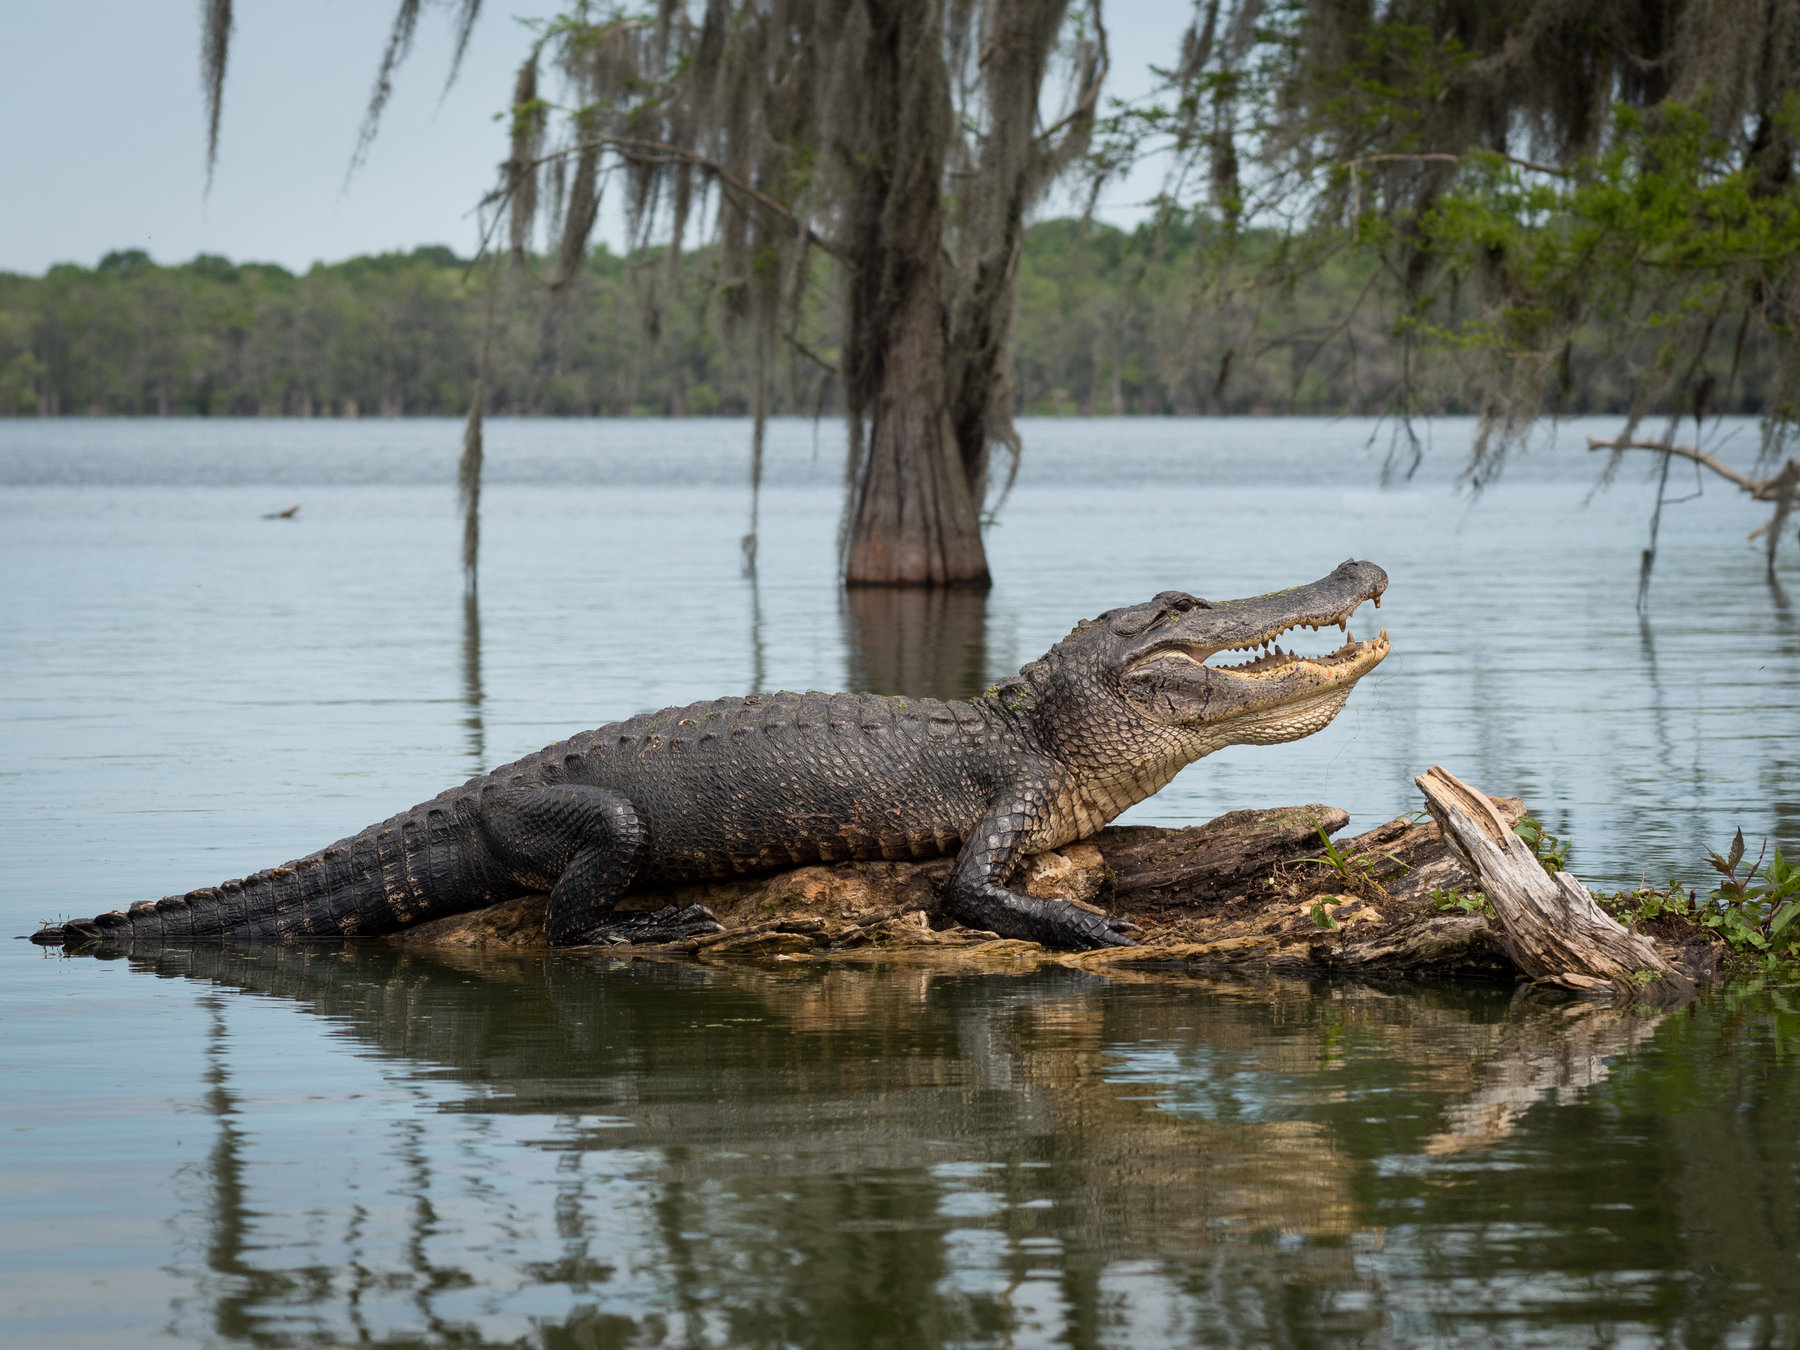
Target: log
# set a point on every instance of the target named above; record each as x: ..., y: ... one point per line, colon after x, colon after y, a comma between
x: 1249, y: 891
x: 1554, y: 930
x: 1202, y: 865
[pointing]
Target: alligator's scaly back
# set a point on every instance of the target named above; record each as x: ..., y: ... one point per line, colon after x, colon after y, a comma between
x: 1106, y: 717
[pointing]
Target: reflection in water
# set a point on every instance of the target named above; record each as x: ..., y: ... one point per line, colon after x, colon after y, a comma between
x: 238, y: 1286
x: 1554, y: 1052
x: 600, y: 1153
x: 471, y: 671
x: 759, y: 667
x: 1658, y: 702
x: 923, y: 643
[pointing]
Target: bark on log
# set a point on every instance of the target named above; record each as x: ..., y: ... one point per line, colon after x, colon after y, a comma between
x: 1554, y: 930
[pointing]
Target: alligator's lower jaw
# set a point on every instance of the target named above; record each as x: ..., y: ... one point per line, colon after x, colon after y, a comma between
x: 1288, y: 722
x: 1320, y: 687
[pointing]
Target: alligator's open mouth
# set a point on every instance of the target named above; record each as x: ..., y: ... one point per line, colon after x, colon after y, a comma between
x: 1352, y: 658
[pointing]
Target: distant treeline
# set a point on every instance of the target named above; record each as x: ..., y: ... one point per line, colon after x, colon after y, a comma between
x: 1109, y: 323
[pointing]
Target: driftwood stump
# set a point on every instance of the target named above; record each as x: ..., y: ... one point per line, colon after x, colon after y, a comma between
x: 1554, y: 930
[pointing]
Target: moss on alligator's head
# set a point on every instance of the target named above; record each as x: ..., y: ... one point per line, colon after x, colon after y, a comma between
x: 1157, y: 666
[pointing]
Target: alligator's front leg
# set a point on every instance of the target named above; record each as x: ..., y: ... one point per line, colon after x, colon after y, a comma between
x: 979, y: 898
x: 582, y: 844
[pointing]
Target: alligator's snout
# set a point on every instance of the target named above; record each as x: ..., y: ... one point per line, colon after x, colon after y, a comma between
x: 1221, y: 667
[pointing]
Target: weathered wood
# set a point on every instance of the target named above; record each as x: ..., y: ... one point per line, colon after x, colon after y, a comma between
x: 1554, y: 930
x: 1205, y: 864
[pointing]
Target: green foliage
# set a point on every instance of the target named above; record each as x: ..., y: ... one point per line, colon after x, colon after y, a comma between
x: 1352, y: 867
x: 1549, y: 850
x: 1466, y: 902
x: 1105, y: 326
x: 1758, y: 909
x: 1644, y: 247
x: 1754, y: 912
x: 1560, y: 206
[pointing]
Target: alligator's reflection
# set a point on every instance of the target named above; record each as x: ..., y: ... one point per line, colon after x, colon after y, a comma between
x: 847, y: 1156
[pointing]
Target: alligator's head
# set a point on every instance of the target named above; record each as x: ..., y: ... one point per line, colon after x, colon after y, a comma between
x: 1181, y: 676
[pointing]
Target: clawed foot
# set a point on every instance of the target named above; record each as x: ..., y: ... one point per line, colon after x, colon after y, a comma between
x: 1106, y: 931
x: 1055, y: 923
x: 667, y: 924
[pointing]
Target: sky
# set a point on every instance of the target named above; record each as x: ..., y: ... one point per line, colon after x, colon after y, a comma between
x: 106, y: 120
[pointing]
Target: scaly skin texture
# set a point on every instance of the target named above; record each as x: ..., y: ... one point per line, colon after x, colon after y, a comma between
x: 742, y: 785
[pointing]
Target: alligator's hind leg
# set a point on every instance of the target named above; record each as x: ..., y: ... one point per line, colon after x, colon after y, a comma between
x: 582, y: 844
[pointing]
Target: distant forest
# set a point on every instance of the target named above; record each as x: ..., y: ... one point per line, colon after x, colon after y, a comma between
x: 1109, y: 323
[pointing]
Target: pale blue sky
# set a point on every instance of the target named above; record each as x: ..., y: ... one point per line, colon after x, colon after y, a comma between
x: 102, y: 104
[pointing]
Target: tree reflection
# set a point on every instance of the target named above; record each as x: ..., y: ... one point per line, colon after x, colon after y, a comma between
x: 919, y: 642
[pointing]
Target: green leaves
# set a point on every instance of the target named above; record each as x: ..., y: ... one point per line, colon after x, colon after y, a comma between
x: 1466, y: 902
x: 1756, y: 909
x: 1550, y: 851
x: 1351, y: 866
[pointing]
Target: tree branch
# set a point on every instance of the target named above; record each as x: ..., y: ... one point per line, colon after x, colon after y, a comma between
x: 634, y: 148
x: 1762, y: 489
x: 1534, y: 166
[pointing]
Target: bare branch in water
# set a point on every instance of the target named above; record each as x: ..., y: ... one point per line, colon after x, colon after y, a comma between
x: 1781, y: 488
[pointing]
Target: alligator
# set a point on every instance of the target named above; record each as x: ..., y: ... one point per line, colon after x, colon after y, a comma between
x: 743, y: 785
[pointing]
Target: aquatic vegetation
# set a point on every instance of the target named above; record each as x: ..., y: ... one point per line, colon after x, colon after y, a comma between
x: 1551, y: 851
x: 1469, y: 902
x: 1755, y: 913
x: 1357, y: 869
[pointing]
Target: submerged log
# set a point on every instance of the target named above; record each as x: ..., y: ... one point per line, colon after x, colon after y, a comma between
x: 1554, y: 929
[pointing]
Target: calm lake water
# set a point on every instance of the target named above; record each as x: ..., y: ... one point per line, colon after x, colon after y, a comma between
x: 324, y: 1146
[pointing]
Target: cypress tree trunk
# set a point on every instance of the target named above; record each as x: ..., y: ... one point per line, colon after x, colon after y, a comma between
x: 913, y: 520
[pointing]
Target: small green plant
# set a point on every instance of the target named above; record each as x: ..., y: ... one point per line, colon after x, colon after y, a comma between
x: 1352, y: 867
x: 1469, y: 902
x: 1547, y: 848
x: 1322, y: 917
x: 1757, y: 909
x: 1647, y: 903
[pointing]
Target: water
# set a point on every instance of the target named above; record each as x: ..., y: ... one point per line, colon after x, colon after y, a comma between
x: 308, y: 1147
x: 325, y: 1147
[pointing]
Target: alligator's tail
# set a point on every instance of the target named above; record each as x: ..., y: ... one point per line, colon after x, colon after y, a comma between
x: 416, y: 866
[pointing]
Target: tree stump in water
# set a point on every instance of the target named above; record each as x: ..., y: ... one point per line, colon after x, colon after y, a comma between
x: 1555, y: 931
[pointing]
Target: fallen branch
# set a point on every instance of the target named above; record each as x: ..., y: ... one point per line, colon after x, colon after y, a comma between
x: 1767, y: 489
x: 1555, y: 931
x: 1781, y: 488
